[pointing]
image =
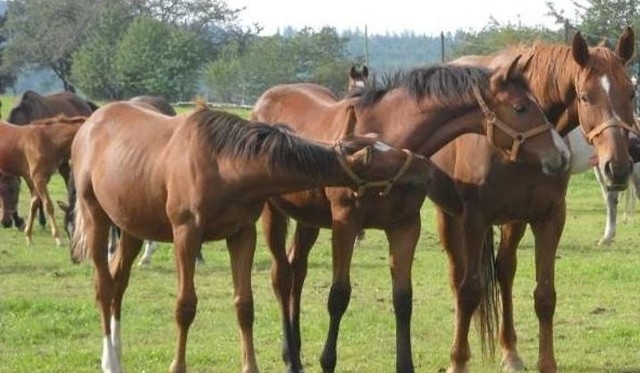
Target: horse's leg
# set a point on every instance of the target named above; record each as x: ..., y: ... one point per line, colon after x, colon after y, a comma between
x: 186, y: 240
x: 35, y: 200
x: 274, y: 224
x: 96, y: 228
x: 241, y: 249
x: 403, y: 239
x: 40, y: 184
x: 344, y: 232
x: 547, y: 232
x: 149, y: 248
x: 468, y: 279
x: 506, y: 265
x: 303, y: 240
x: 128, y: 249
x: 611, y: 200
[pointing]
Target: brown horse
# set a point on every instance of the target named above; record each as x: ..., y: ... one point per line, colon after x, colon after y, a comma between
x: 33, y: 106
x: 34, y: 152
x: 199, y: 177
x: 576, y: 86
x: 421, y: 111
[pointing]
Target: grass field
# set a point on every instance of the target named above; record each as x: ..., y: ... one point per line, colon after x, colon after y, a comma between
x: 49, y: 323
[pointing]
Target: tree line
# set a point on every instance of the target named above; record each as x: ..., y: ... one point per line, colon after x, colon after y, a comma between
x: 116, y: 49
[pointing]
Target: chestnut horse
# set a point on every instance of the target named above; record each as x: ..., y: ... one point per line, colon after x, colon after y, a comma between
x: 34, y: 152
x: 576, y: 86
x: 199, y: 177
x: 421, y: 110
x: 33, y: 106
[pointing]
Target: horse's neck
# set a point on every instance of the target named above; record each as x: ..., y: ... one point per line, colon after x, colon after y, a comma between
x: 472, y: 121
x: 62, y: 134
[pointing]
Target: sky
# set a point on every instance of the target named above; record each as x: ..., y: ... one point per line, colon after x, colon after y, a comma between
x: 428, y: 17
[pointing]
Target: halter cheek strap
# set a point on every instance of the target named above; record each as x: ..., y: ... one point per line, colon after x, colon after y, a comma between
x: 363, y: 184
x: 493, y: 121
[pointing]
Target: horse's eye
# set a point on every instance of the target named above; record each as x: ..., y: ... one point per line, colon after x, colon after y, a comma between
x: 519, y: 108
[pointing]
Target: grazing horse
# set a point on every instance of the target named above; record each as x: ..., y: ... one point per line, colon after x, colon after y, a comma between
x: 199, y: 177
x: 420, y: 110
x: 33, y: 106
x: 576, y: 85
x: 9, y: 193
x: 34, y: 152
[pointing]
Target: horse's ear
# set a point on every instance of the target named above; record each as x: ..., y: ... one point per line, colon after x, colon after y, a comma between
x: 352, y: 72
x: 350, y: 123
x: 502, y: 74
x: 365, y: 71
x: 580, y: 50
x: 626, y: 45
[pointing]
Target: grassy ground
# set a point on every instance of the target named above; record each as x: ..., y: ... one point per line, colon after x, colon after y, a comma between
x: 48, y: 321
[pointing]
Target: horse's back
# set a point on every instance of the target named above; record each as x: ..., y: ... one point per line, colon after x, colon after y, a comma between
x: 156, y: 103
x: 309, y: 108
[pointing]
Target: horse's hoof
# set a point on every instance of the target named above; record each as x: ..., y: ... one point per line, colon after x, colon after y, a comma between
x: 512, y: 365
x: 178, y: 368
x: 605, y: 241
x: 58, y: 242
x: 29, y: 242
x: 144, y: 263
x: 458, y: 370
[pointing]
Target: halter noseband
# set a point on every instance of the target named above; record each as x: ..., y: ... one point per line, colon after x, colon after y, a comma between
x: 611, y: 122
x: 363, y: 184
x: 518, y: 137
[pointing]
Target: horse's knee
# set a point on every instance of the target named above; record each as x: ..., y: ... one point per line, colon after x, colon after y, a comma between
x: 545, y: 301
x: 403, y: 303
x: 469, y: 295
x: 186, y: 311
x: 339, y: 297
x: 244, y: 310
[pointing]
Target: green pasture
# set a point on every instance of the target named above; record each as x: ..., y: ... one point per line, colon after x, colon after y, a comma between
x: 49, y: 322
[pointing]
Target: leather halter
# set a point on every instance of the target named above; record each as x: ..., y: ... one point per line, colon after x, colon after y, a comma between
x: 363, y: 184
x: 611, y: 122
x: 518, y: 137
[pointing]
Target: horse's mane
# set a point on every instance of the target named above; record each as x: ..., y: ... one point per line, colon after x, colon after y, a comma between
x: 449, y: 85
x: 61, y: 118
x: 229, y: 135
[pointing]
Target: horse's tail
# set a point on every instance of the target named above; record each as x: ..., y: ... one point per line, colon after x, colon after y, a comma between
x: 487, y: 316
x: 79, y: 250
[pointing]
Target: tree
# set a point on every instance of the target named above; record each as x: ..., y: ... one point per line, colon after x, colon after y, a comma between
x: 93, y: 68
x: 156, y: 58
x: 6, y: 78
x: 495, y: 37
x: 45, y: 33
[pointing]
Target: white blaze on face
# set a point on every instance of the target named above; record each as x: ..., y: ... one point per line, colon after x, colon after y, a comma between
x: 606, y: 85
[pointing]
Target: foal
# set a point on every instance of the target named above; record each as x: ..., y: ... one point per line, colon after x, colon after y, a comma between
x: 34, y: 152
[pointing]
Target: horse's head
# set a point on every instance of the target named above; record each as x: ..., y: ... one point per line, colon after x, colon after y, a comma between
x: 28, y: 109
x: 9, y: 193
x: 604, y: 104
x: 358, y: 79
x: 516, y: 123
x: 370, y: 162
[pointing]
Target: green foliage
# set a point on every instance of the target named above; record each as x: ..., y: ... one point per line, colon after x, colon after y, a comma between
x: 303, y: 56
x: 495, y: 38
x: 94, y: 68
x: 155, y: 58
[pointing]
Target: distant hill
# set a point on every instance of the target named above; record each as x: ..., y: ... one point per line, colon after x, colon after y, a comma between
x: 396, y: 51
